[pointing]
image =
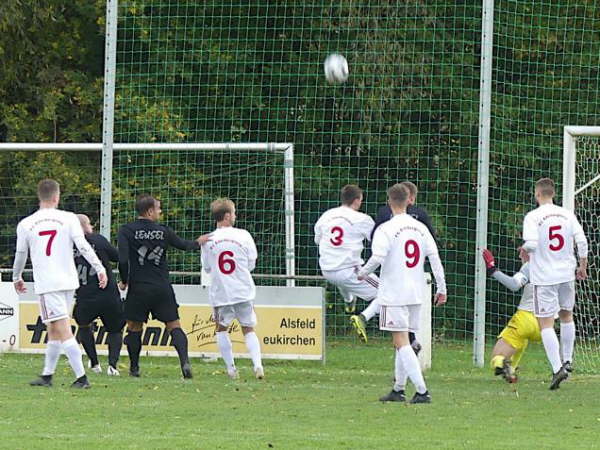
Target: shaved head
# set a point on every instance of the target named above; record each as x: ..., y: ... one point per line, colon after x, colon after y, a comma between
x: 85, y: 223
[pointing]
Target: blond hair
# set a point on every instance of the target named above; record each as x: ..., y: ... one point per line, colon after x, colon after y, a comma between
x: 220, y: 207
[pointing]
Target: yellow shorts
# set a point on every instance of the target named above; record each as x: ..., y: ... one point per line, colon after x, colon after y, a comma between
x: 522, y: 327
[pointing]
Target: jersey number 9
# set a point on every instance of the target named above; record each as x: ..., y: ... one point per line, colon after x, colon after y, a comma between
x: 412, y: 252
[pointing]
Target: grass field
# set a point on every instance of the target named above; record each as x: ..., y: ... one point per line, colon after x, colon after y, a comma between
x: 299, y: 405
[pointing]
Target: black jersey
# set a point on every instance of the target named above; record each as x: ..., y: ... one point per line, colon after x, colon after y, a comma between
x: 143, y: 246
x: 88, y: 279
x: 385, y: 213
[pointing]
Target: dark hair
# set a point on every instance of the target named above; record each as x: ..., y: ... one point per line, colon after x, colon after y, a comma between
x: 398, y: 194
x: 143, y: 203
x: 220, y: 207
x: 546, y: 187
x: 349, y: 193
x: 412, y: 187
x: 47, y: 189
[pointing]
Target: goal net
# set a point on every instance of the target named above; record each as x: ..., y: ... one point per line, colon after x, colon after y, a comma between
x: 581, y: 193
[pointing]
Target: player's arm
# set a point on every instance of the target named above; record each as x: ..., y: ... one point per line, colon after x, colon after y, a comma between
x: 204, y: 259
x: 181, y: 244
x: 441, y: 295
x: 111, y: 251
x: 318, y: 232
x: 21, y: 253
x: 380, y: 249
x: 582, y: 248
x: 384, y: 214
x: 514, y: 283
x: 252, y: 253
x: 366, y: 227
x: 426, y: 220
x: 123, y: 246
x: 530, y: 234
x: 87, y: 251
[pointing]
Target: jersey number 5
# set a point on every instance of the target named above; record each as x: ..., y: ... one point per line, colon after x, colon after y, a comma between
x: 412, y: 252
x: 338, y: 234
x: 226, y: 265
x: 52, y: 234
x: 556, y: 236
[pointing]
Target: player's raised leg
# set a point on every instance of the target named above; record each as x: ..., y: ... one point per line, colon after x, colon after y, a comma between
x: 502, y: 359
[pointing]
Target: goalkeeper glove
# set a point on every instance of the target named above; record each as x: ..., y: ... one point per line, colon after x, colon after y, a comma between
x: 490, y: 263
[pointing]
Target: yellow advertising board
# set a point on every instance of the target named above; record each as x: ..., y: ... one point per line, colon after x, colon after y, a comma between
x: 291, y: 325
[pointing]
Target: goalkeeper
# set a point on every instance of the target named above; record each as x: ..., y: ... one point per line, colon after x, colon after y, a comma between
x: 522, y: 327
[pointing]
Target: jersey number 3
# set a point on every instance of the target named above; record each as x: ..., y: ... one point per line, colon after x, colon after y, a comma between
x: 52, y: 234
x: 556, y: 236
x: 338, y: 234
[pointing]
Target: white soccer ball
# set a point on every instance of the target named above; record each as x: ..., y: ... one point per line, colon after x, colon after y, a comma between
x: 336, y: 68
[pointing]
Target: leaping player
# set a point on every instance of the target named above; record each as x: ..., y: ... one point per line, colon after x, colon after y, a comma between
x: 340, y: 233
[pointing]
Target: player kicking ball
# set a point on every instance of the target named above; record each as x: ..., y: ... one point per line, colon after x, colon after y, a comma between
x: 340, y: 233
x: 400, y: 246
x: 549, y: 234
x: 522, y: 327
x: 229, y: 257
x: 49, y: 235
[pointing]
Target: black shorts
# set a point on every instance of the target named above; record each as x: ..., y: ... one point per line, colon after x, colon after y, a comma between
x: 145, y: 299
x: 110, y: 311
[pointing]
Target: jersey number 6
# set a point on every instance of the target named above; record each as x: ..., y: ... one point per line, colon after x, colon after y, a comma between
x: 226, y: 263
x: 52, y: 234
x: 552, y: 236
x: 338, y: 234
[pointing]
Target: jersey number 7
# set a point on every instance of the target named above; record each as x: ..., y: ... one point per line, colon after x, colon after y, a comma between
x: 52, y: 234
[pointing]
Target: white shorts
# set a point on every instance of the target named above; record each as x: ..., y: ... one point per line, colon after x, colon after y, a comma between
x: 243, y: 312
x: 56, y: 305
x: 350, y: 286
x: 400, y: 318
x: 548, y: 300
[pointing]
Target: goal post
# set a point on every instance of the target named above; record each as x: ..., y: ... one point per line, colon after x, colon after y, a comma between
x: 581, y: 194
x: 284, y: 191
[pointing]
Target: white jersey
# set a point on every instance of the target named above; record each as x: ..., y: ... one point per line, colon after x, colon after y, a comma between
x: 340, y: 233
x: 404, y: 243
x: 522, y: 277
x: 49, y: 235
x: 229, y: 257
x: 553, y: 229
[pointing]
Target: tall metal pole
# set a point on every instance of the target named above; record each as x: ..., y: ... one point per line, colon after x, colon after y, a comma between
x: 290, y: 244
x: 108, y: 115
x: 483, y: 168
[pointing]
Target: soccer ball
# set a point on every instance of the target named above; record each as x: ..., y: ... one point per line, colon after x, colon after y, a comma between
x: 336, y: 68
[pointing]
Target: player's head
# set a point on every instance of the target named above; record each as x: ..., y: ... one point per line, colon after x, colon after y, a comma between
x: 148, y: 207
x: 412, y: 191
x: 223, y: 211
x: 351, y: 196
x: 86, y: 226
x: 398, y: 197
x: 544, y: 189
x: 48, y: 192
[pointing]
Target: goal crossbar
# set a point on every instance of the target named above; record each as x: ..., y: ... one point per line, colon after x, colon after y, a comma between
x: 285, y: 149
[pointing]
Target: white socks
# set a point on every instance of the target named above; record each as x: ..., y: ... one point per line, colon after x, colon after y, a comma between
x: 253, y: 348
x: 225, y: 348
x: 52, y: 354
x: 412, y: 368
x: 371, y: 310
x: 552, y: 348
x: 73, y: 352
x: 567, y: 340
x: 400, y: 374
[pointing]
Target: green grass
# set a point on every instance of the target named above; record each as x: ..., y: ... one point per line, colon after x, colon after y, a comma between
x: 299, y: 405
